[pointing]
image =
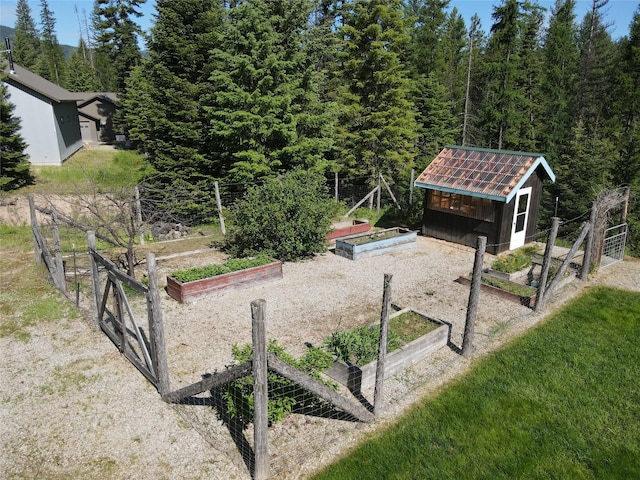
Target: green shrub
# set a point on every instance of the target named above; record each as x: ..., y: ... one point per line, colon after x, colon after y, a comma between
x: 284, y: 395
x: 359, y: 346
x: 231, y: 265
x: 287, y: 218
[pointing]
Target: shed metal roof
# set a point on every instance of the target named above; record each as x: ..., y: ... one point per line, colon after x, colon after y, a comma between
x: 481, y: 172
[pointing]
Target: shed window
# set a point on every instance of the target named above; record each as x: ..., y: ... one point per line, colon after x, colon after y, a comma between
x: 465, y: 205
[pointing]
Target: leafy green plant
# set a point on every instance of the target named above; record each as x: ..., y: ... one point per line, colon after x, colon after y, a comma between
x: 284, y: 395
x: 359, y: 346
x: 232, y: 265
x: 515, y: 261
x: 288, y: 217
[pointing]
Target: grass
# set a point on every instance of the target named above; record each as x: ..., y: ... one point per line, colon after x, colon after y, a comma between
x: 27, y: 297
x: 88, y: 170
x: 561, y: 402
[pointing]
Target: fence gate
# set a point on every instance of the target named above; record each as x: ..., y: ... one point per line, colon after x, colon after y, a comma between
x: 615, y: 239
x: 119, y: 323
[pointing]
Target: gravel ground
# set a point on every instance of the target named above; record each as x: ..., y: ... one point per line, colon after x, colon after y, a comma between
x: 73, y: 407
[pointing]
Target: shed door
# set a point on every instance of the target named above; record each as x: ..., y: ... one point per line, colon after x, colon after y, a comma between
x: 520, y: 218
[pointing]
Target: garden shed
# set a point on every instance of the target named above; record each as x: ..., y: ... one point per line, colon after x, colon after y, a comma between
x: 477, y: 191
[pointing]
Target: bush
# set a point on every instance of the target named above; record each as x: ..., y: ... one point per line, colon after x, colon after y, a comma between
x: 360, y: 345
x: 287, y: 218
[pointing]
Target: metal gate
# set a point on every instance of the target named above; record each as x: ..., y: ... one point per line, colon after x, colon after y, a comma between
x: 615, y: 239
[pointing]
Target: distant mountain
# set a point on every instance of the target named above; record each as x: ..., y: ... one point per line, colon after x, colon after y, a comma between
x: 8, y: 32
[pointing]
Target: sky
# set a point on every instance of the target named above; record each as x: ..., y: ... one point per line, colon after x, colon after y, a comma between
x: 618, y: 13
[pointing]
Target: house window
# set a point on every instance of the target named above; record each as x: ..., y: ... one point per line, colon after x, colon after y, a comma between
x: 464, y: 205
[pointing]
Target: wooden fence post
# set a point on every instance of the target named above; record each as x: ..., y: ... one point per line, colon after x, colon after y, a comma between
x: 34, y: 225
x: 219, y: 207
x: 474, y: 295
x: 378, y: 396
x: 95, y: 279
x: 587, y: 257
x: 58, y: 276
x: 139, y: 214
x: 413, y: 172
x: 260, y: 390
x: 546, y: 263
x: 156, y: 330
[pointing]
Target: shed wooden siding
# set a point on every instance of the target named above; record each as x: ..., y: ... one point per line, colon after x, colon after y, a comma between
x: 465, y: 230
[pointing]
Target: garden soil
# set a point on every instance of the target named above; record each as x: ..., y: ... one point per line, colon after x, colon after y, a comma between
x: 73, y: 407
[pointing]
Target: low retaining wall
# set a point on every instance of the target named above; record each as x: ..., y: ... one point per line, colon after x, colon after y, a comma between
x: 197, y: 289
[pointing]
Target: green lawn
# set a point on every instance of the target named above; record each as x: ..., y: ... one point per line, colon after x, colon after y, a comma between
x: 89, y: 170
x: 561, y: 402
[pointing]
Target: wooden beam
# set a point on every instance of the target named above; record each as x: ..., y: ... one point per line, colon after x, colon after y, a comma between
x: 378, y: 396
x: 260, y: 390
x: 209, y: 382
x: 368, y: 195
x: 474, y: 296
x: 563, y: 268
x: 319, y: 389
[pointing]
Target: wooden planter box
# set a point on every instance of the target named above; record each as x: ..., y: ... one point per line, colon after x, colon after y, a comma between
x: 197, y: 289
x: 379, y: 243
x: 357, y: 378
x: 511, y: 277
x: 527, y: 301
x: 347, y: 228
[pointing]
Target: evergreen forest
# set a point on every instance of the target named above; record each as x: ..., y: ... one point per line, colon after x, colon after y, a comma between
x: 242, y: 90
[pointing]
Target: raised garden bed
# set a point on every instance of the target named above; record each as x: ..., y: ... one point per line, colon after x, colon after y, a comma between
x: 193, y: 290
x: 347, y: 228
x: 358, y: 377
x: 522, y: 294
x: 376, y: 243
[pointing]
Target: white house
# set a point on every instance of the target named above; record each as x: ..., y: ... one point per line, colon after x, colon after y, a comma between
x: 48, y: 116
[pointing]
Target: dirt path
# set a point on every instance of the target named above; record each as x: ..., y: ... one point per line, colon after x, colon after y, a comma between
x: 73, y: 407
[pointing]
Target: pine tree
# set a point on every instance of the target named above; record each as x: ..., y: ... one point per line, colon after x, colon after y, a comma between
x: 502, y: 108
x: 530, y: 65
x: 377, y: 126
x: 84, y: 76
x: 162, y: 101
x: 558, y: 88
x: 626, y: 169
x: 583, y: 171
x: 454, y: 43
x: 595, y: 69
x: 116, y: 39
x: 437, y: 125
x: 627, y: 107
x: 26, y: 42
x: 14, y: 163
x: 424, y: 51
x: 264, y: 112
x: 51, y: 62
x: 473, y: 97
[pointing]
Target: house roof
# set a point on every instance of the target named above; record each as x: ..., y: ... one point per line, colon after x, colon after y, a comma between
x: 481, y: 172
x: 85, y: 98
x: 38, y: 84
